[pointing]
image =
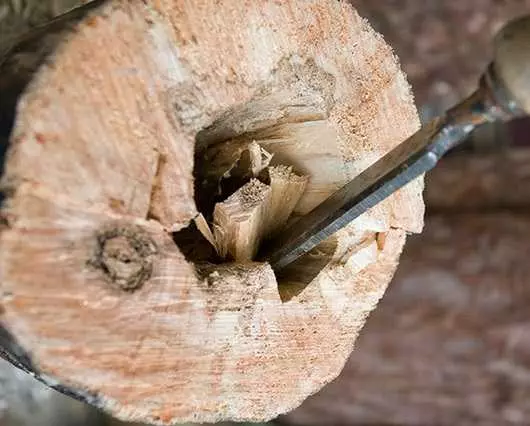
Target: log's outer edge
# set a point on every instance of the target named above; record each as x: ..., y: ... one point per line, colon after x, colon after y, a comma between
x: 31, y: 42
x: 13, y: 353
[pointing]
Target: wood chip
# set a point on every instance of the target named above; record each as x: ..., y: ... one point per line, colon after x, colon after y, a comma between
x: 204, y: 229
x: 239, y: 220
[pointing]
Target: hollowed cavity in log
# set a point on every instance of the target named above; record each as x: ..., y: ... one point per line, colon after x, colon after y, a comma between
x: 252, y: 168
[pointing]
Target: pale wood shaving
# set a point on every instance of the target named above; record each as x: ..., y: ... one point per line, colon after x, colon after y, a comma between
x: 286, y: 190
x: 233, y: 160
x: 249, y: 162
x: 239, y: 220
x: 256, y: 211
x: 204, y: 229
x: 362, y: 257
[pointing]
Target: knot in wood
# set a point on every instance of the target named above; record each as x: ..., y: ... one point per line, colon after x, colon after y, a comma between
x: 125, y: 254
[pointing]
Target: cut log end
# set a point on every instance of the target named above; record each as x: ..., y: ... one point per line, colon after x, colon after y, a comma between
x: 144, y: 178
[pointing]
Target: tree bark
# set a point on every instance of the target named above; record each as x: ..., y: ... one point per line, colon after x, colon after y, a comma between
x: 108, y: 286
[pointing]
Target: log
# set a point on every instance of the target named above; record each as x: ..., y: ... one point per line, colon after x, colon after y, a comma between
x: 450, y: 342
x: 108, y: 286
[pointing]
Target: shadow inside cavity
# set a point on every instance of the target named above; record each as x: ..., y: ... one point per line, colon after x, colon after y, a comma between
x: 294, y: 279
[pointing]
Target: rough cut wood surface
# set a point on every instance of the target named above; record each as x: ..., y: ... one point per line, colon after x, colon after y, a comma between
x: 100, y: 171
x: 449, y: 343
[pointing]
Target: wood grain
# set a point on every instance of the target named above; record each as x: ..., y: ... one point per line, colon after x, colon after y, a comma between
x: 100, y: 172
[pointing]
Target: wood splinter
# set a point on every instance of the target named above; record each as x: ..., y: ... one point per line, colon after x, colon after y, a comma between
x: 256, y: 211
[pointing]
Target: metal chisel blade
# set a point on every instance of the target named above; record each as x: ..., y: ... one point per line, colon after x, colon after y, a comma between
x: 404, y: 163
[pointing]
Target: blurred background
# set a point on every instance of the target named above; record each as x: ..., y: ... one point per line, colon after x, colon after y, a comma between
x: 450, y: 341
